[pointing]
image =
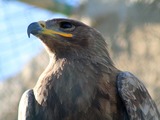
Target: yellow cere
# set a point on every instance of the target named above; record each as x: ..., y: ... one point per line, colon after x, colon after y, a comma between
x: 52, y: 32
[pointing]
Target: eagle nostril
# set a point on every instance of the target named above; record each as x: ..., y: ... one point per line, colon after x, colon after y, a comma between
x: 42, y: 24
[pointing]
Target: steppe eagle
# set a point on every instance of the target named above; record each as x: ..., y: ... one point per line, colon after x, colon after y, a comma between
x: 81, y: 81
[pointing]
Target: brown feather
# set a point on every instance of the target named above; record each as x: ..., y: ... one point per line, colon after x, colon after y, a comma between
x: 80, y: 82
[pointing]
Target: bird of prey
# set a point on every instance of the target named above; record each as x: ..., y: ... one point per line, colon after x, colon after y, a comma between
x: 81, y: 81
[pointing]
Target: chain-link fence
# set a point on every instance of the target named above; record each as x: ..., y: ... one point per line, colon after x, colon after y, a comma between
x: 16, y: 50
x: 132, y: 31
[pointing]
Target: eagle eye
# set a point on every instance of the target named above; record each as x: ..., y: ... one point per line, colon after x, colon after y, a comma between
x: 66, y: 26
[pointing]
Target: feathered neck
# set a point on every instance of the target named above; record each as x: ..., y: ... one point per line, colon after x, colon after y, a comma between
x: 73, y: 82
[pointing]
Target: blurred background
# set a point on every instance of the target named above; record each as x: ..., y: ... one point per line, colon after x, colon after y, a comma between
x: 131, y: 29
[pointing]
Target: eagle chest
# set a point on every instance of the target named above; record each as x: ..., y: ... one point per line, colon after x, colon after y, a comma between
x: 75, y: 89
x: 81, y: 82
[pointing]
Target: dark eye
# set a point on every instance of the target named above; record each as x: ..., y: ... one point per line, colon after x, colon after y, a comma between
x: 66, y: 25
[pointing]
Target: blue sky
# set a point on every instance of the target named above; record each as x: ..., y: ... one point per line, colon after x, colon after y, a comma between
x: 70, y: 2
x: 16, y: 48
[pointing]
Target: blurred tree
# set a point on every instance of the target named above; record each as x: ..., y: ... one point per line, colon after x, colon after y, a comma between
x: 131, y: 28
x: 112, y: 16
x: 52, y: 5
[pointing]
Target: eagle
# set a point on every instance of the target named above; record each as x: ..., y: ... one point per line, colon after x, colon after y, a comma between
x: 81, y: 82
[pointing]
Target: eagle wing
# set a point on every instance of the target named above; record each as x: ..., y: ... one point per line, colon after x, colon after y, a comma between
x: 137, y: 101
x: 26, y: 106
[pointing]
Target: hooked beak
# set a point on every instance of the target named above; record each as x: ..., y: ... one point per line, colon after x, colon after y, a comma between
x: 39, y: 28
x: 34, y: 28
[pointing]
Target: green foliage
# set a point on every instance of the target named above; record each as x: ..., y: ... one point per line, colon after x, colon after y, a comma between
x: 51, y: 5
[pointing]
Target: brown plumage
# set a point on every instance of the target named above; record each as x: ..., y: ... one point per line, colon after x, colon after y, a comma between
x: 81, y: 82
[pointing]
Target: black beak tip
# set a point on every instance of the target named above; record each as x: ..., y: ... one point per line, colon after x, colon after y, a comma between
x: 28, y: 33
x: 34, y: 28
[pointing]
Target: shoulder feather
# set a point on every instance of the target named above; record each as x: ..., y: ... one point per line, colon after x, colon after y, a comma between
x: 26, y: 106
x: 137, y: 101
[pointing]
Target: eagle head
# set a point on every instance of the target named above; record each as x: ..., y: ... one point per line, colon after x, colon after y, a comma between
x: 68, y: 38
